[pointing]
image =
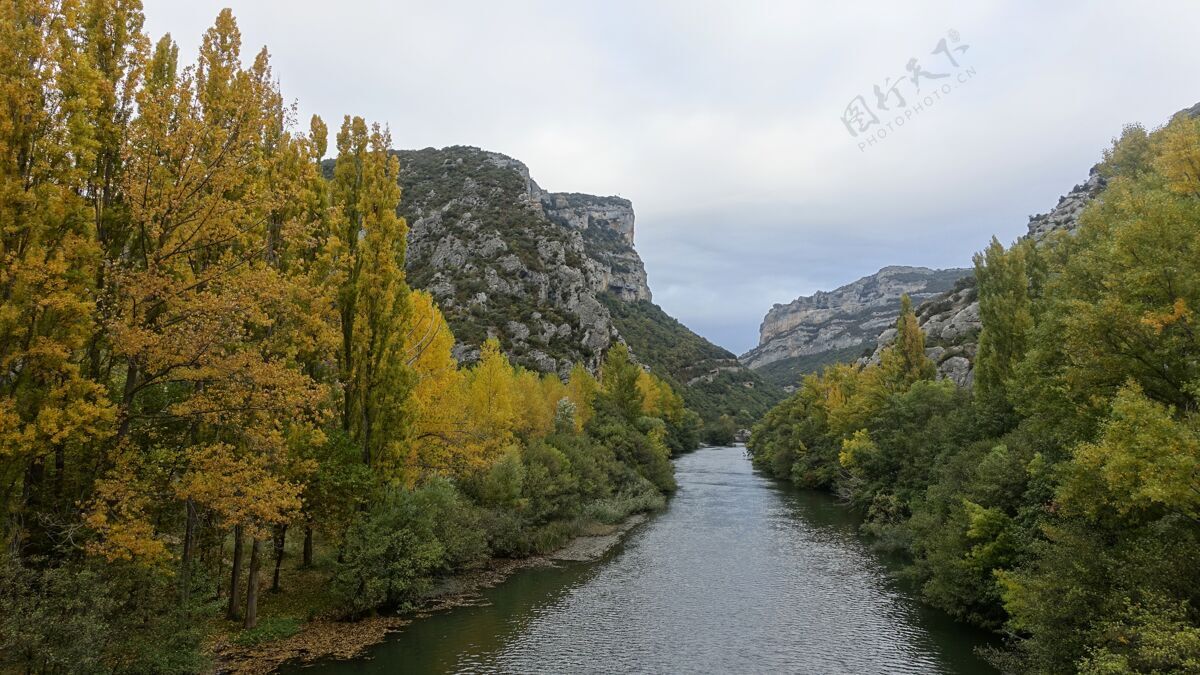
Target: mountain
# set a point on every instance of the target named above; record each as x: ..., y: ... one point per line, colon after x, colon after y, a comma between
x: 483, y: 242
x: 553, y: 275
x: 830, y: 326
x: 950, y: 318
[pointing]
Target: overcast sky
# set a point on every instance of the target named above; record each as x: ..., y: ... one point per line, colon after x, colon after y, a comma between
x: 724, y: 122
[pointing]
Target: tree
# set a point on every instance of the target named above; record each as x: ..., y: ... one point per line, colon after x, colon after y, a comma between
x: 904, y: 361
x: 204, y: 341
x: 48, y: 258
x: 195, y: 296
x: 374, y: 299
x: 619, y: 382
x: 581, y: 389
x: 489, y: 407
x: 724, y: 432
x: 1145, y: 461
x: 437, y: 424
x: 1006, y: 317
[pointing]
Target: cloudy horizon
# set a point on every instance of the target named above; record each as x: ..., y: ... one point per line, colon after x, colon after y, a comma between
x: 724, y: 123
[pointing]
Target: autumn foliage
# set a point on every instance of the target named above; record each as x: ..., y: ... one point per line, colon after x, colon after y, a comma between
x: 206, y: 344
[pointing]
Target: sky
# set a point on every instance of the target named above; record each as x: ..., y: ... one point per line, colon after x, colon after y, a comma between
x: 736, y: 128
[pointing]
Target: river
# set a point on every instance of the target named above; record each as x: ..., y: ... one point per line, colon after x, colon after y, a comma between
x: 740, y: 574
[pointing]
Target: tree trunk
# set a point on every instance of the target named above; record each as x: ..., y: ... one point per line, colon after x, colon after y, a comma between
x: 124, y: 413
x: 280, y: 541
x: 366, y: 434
x: 252, y: 585
x: 60, y: 465
x: 17, y: 519
x: 234, y: 594
x: 24, y: 536
x: 189, y: 546
x: 308, y: 546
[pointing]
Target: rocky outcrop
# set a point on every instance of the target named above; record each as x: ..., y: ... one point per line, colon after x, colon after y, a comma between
x: 506, y: 259
x: 606, y: 224
x: 553, y: 276
x: 951, y: 325
x: 580, y: 212
x: 951, y: 321
x: 1064, y: 217
x: 846, y: 317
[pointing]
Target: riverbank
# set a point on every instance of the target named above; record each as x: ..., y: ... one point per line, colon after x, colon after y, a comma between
x: 327, y: 638
x: 740, y: 574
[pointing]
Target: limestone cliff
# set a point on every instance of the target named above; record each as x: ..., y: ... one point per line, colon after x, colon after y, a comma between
x: 506, y: 259
x: 951, y: 321
x: 832, y: 325
x: 554, y: 276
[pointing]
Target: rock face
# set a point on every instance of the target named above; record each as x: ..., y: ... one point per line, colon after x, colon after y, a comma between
x: 1065, y: 215
x: 849, y: 317
x: 606, y: 226
x: 506, y: 259
x: 951, y: 325
x: 554, y: 276
x: 951, y: 320
x: 579, y: 212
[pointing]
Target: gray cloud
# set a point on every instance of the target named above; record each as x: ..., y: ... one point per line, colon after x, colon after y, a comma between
x: 720, y: 120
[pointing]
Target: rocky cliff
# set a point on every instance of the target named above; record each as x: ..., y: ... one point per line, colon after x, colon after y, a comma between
x: 554, y: 276
x: 506, y: 259
x: 827, y: 326
x: 951, y: 320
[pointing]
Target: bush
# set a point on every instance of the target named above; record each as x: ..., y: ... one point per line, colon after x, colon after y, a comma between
x: 392, y: 552
x: 456, y: 524
x: 619, y: 507
x: 645, y: 452
x: 551, y: 490
x: 63, y: 618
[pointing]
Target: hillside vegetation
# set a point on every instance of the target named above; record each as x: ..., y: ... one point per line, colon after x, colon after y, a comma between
x: 709, y: 378
x: 1059, y: 500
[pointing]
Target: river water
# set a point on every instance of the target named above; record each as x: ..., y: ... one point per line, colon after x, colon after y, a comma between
x: 740, y: 574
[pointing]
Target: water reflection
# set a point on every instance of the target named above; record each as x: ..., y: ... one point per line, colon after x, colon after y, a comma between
x: 739, y: 574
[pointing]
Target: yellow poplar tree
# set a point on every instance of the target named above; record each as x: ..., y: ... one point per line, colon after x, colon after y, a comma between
x: 437, y: 393
x: 581, y: 389
x: 48, y: 256
x: 490, y: 406
x: 195, y: 296
x: 904, y: 361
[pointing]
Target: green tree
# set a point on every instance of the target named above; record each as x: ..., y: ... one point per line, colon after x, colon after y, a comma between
x: 374, y: 298
x: 1006, y: 317
x: 619, y: 382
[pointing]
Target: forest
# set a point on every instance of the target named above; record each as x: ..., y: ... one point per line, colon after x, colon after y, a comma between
x: 1058, y: 500
x: 223, y: 410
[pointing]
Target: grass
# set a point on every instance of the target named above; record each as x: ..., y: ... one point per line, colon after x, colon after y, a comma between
x: 268, y: 629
